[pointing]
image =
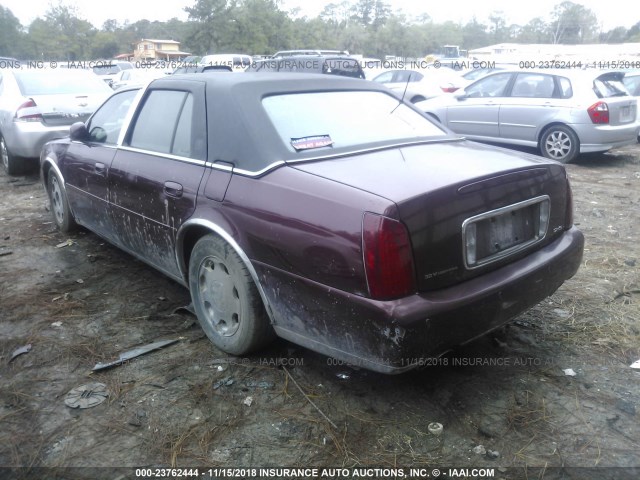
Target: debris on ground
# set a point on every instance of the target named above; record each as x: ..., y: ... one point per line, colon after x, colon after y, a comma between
x: 87, y: 396
x: 479, y: 450
x: 225, y: 382
x: 435, y: 428
x: 66, y: 243
x: 20, y: 351
x: 248, y: 401
x: 569, y: 372
x: 493, y: 454
x: 136, y: 352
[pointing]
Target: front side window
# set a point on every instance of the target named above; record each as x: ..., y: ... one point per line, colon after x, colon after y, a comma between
x: 165, y: 124
x: 344, y: 119
x: 490, y: 86
x: 106, y: 123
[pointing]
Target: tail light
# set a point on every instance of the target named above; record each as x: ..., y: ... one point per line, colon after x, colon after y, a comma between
x: 388, y: 260
x: 28, y: 112
x: 448, y: 88
x: 599, y: 112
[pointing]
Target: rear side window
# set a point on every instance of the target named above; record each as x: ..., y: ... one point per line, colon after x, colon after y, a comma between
x: 565, y: 87
x: 533, y: 85
x: 342, y: 119
x: 165, y: 124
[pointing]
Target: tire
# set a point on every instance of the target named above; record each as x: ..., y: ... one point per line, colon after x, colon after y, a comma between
x: 9, y: 162
x: 559, y: 143
x: 417, y: 98
x: 225, y: 298
x: 62, y: 216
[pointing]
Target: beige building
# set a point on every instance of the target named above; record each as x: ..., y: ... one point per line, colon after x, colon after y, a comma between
x: 151, y: 49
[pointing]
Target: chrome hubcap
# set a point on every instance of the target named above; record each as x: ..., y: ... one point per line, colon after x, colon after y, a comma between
x: 56, y: 200
x: 219, y: 297
x: 558, y: 144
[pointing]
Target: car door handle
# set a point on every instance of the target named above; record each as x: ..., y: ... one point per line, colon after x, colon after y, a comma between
x: 172, y: 189
x: 100, y: 168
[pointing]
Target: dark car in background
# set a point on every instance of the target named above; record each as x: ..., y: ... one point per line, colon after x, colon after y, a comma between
x: 341, y: 65
x: 320, y: 209
x: 37, y: 105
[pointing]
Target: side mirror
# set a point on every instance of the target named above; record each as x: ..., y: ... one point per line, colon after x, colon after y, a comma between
x: 461, y: 95
x: 78, y: 132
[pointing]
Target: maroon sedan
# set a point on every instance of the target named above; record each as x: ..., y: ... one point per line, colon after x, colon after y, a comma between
x: 319, y: 209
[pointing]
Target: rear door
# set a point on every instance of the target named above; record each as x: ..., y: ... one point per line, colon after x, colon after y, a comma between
x: 534, y: 101
x: 156, y: 173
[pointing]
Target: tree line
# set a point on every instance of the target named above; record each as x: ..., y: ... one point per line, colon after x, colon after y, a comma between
x: 261, y: 27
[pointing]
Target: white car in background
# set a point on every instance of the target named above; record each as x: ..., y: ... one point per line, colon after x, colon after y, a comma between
x: 418, y: 85
x: 136, y: 76
x: 38, y: 105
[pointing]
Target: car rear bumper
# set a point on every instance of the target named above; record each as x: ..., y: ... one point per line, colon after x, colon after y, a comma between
x: 605, y: 137
x: 26, y: 139
x: 398, y: 335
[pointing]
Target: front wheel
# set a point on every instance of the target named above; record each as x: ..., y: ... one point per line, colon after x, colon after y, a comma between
x: 60, y: 210
x: 559, y: 143
x: 226, y: 299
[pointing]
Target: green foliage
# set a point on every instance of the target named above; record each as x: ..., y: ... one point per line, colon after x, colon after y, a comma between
x: 368, y: 27
x: 10, y: 34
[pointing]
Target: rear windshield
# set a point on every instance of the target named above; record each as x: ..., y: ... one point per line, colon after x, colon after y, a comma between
x: 607, y: 86
x: 108, y: 69
x: 325, y: 120
x: 59, y: 82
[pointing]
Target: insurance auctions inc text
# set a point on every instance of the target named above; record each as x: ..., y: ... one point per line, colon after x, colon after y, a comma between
x: 331, y: 473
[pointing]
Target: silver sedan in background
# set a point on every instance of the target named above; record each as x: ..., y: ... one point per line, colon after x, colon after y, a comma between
x: 38, y: 105
x: 561, y: 112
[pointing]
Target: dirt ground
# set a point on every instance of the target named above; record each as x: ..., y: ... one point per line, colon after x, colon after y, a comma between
x: 504, y: 401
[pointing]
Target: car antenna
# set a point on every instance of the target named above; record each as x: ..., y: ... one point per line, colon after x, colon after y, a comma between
x: 403, y: 94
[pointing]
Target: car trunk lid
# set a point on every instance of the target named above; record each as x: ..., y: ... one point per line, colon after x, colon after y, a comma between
x: 61, y: 110
x: 515, y: 203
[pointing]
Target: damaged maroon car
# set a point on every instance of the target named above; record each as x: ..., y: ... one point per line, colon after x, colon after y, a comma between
x: 319, y: 209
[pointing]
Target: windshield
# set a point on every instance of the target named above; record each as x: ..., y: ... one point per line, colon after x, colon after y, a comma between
x: 344, y: 119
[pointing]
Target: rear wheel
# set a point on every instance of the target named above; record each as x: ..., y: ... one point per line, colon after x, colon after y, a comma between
x: 559, y: 143
x: 9, y: 162
x: 225, y: 298
x: 62, y: 215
